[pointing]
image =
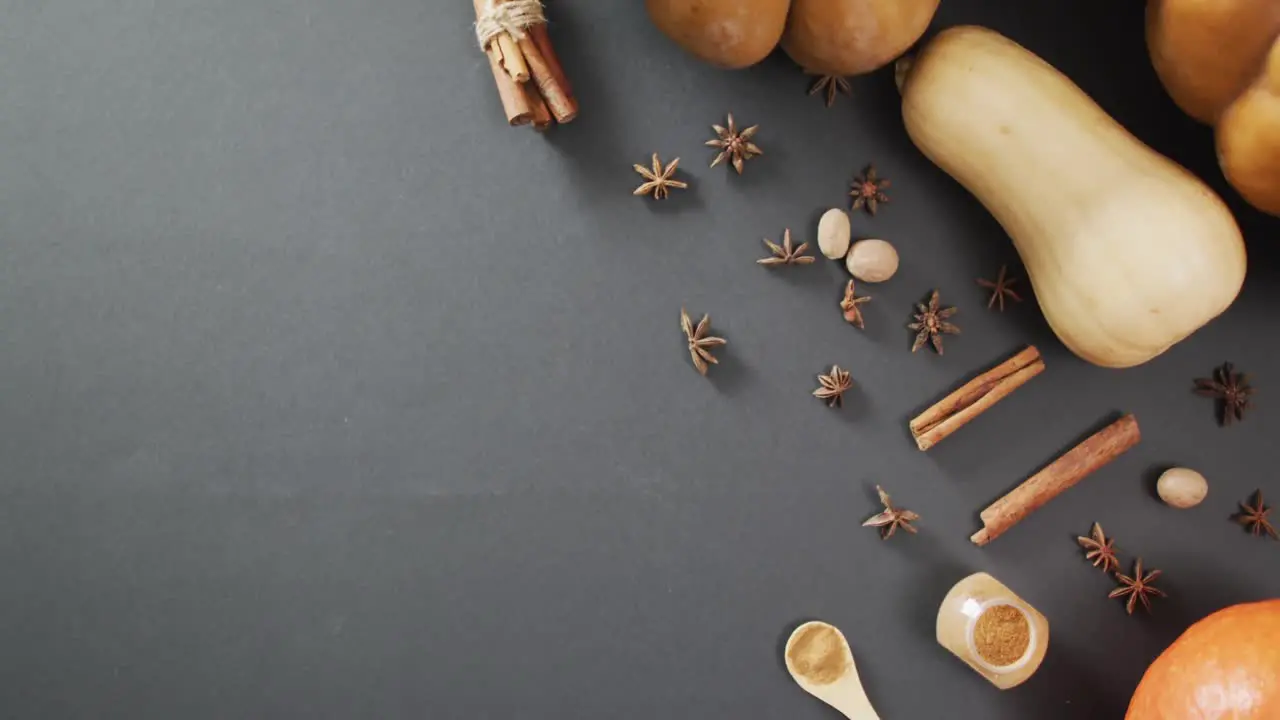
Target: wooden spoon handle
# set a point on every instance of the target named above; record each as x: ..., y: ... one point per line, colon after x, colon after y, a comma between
x: 852, y: 700
x: 857, y: 709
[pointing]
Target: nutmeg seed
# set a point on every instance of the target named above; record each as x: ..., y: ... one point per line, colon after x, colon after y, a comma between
x: 834, y: 232
x: 872, y: 260
x: 1182, y: 487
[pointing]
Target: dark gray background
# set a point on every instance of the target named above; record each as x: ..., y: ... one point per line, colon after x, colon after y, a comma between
x: 324, y: 394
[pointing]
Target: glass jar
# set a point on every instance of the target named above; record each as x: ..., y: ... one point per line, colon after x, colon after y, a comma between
x: 995, y: 632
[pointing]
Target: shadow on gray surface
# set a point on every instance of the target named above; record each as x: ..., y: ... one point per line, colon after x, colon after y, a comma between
x: 731, y: 375
x: 884, y: 323
x: 1152, y: 475
x: 833, y: 271
x: 1084, y: 691
x: 798, y: 275
x: 680, y: 201
x: 780, y: 648
x: 759, y: 172
x: 857, y: 405
x: 592, y: 159
x: 811, y: 222
x: 938, y: 572
x: 950, y: 462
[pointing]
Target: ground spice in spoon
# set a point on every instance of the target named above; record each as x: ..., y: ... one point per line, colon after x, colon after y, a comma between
x: 1001, y: 635
x: 818, y: 654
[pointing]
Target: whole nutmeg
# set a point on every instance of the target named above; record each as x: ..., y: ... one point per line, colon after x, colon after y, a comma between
x: 872, y: 260
x: 1182, y: 487
x: 834, y: 232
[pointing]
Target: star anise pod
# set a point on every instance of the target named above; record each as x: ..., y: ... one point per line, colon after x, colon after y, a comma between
x: 892, y: 518
x: 833, y: 384
x: 868, y: 190
x: 1137, y: 588
x: 658, y: 180
x: 1099, y: 549
x: 1231, y: 390
x: 699, y: 342
x: 1001, y: 288
x: 734, y: 146
x: 786, y: 253
x: 1254, y: 517
x: 850, y: 303
x: 830, y: 84
x: 931, y: 324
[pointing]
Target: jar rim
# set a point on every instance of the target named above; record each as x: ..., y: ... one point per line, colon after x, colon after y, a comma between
x: 1033, y: 636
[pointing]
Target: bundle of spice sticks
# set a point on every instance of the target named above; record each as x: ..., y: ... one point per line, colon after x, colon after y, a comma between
x: 531, y: 83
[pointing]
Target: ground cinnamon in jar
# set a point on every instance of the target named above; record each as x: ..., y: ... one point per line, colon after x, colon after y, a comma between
x: 818, y: 653
x: 1001, y: 635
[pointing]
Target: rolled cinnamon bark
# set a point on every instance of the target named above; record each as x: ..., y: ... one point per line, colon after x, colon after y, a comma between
x: 542, y: 39
x: 512, y: 60
x: 560, y: 103
x: 514, y: 102
x: 520, y: 56
x: 974, y: 397
x: 540, y: 114
x: 1078, y: 463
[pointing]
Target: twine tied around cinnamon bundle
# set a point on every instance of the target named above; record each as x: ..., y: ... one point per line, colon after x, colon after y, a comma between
x: 513, y: 35
x: 513, y: 17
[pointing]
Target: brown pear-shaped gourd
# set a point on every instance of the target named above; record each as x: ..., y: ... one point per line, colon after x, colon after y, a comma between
x: 1220, y: 62
x: 726, y: 33
x: 852, y: 37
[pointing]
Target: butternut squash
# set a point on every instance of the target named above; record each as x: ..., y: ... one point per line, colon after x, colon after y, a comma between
x: 1220, y: 62
x: 1128, y: 252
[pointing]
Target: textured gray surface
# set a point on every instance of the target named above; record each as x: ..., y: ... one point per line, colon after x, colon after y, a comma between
x: 326, y: 395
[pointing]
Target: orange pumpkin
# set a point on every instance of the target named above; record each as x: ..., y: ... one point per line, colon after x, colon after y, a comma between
x: 1220, y: 61
x: 1224, y: 667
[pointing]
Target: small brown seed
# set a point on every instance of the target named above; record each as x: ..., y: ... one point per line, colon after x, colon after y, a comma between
x: 872, y: 260
x: 834, y: 232
x: 1182, y: 487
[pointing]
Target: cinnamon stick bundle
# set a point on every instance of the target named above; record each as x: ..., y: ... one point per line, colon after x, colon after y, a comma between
x: 974, y: 397
x: 1078, y: 463
x: 531, y: 83
x: 514, y: 100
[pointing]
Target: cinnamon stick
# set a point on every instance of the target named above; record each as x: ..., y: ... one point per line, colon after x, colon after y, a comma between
x: 542, y: 39
x: 512, y: 60
x: 1078, y: 463
x: 514, y: 102
x: 515, y: 61
x: 540, y: 114
x: 561, y: 104
x: 974, y: 397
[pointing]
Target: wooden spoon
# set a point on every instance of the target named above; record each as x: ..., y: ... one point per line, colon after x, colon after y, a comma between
x: 843, y: 691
